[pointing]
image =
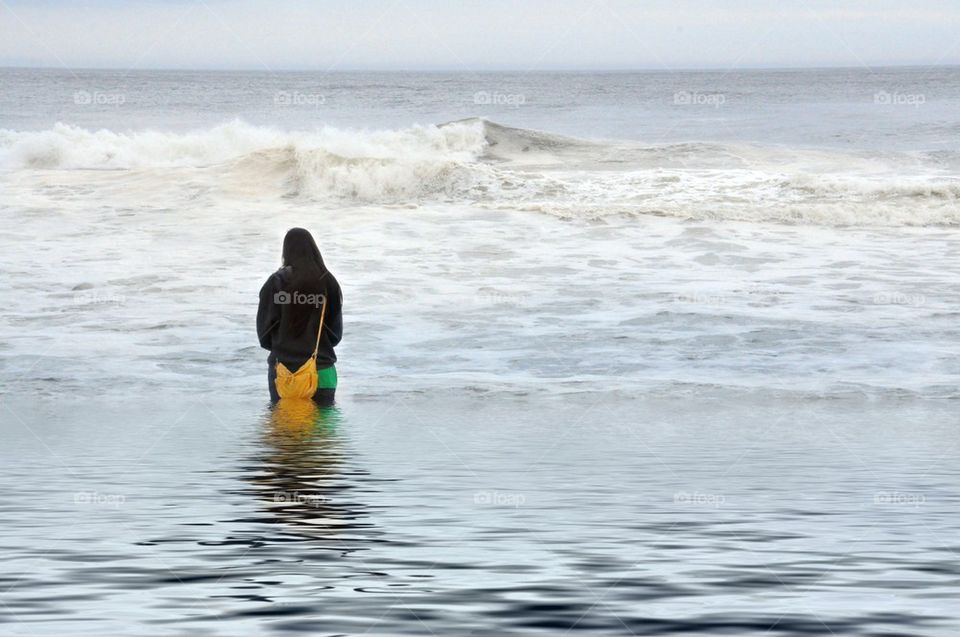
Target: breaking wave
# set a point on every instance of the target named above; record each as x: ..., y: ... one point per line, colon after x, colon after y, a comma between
x: 481, y: 163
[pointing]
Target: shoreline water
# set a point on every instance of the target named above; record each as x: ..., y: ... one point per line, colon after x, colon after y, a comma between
x: 664, y: 306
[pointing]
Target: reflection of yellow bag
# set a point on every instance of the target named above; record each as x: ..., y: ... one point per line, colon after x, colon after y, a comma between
x: 303, y: 382
x: 293, y: 419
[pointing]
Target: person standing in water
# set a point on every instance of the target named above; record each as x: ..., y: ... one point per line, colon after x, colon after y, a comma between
x: 289, y: 315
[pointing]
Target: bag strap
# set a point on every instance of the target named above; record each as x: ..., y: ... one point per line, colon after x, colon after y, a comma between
x: 323, y: 312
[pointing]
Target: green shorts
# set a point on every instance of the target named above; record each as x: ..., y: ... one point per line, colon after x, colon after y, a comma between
x: 327, y: 378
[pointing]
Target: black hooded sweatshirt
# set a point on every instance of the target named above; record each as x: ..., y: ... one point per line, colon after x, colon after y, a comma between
x: 273, y: 325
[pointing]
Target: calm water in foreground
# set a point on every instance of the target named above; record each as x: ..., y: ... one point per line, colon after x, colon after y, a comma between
x: 496, y: 515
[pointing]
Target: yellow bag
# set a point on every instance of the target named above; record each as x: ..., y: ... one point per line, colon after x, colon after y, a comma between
x: 303, y: 382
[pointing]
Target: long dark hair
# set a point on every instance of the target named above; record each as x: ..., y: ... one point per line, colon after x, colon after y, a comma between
x: 307, y: 278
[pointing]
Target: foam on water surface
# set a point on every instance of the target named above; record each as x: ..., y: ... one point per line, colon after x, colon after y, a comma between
x: 454, y: 297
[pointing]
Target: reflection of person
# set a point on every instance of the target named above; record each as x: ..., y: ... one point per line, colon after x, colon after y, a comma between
x: 298, y: 477
x: 288, y: 319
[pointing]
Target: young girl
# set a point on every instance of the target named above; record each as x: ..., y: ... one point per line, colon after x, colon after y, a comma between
x: 288, y: 318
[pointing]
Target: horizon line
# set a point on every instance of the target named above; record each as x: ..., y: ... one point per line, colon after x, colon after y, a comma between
x: 371, y: 69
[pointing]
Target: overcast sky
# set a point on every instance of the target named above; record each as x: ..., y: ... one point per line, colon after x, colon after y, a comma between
x: 477, y: 34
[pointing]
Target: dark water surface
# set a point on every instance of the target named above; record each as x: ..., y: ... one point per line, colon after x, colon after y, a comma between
x: 909, y: 108
x: 455, y: 515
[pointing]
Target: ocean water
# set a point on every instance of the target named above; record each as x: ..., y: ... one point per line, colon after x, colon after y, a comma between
x: 648, y: 353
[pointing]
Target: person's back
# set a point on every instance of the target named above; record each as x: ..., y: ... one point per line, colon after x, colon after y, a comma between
x: 288, y: 319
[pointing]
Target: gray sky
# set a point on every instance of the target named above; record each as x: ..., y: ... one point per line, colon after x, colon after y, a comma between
x: 475, y: 34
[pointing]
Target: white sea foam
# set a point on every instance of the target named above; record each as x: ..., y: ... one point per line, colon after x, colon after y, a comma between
x: 142, y: 233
